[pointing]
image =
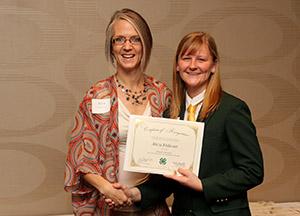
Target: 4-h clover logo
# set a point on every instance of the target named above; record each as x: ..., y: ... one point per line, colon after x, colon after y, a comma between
x: 163, y: 161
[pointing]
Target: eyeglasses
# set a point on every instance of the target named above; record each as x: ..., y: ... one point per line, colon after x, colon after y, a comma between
x: 121, y: 40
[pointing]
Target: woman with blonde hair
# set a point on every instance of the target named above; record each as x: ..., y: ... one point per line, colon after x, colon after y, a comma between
x: 231, y: 159
x: 97, y: 147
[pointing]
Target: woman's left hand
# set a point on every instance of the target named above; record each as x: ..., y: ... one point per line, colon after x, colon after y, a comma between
x: 187, y: 178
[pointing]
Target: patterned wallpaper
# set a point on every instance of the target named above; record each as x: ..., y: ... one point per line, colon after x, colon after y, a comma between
x: 53, y: 50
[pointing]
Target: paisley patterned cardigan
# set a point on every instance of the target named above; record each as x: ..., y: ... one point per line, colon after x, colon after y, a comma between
x: 93, y: 147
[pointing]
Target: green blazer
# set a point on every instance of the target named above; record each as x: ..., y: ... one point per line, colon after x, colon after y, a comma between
x: 231, y: 164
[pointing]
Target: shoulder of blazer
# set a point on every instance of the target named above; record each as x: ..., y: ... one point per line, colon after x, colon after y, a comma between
x: 228, y: 101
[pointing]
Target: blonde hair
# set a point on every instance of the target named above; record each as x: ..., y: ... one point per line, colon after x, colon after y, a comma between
x: 191, y: 43
x: 142, y: 28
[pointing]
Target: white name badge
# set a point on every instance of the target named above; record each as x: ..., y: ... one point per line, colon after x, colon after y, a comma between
x: 100, y: 105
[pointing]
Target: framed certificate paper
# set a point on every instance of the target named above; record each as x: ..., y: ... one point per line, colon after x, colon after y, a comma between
x: 161, y: 146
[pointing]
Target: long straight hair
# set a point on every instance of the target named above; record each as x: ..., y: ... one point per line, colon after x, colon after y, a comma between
x: 191, y: 43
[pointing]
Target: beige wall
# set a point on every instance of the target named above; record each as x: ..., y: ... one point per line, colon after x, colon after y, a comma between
x: 52, y: 51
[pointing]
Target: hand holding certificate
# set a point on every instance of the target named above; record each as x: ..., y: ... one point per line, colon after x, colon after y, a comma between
x: 161, y: 146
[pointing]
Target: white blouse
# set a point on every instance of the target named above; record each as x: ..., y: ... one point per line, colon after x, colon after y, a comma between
x: 128, y: 178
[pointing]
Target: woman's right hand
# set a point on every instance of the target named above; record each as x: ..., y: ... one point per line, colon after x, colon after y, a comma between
x: 133, y: 194
x: 114, y: 196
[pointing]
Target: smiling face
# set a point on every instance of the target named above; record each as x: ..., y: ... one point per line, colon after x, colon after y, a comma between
x: 195, y: 69
x: 129, y: 54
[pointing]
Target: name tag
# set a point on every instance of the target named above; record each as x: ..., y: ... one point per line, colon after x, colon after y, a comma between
x: 100, y: 105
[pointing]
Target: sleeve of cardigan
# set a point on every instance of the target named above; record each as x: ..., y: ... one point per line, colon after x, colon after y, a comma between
x: 246, y: 155
x: 83, y: 152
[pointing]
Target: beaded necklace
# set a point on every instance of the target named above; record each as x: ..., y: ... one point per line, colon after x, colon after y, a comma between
x: 135, y: 97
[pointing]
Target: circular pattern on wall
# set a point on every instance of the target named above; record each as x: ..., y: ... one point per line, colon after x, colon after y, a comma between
x: 241, y: 45
x: 260, y: 104
x: 281, y: 162
x: 52, y: 103
x: 295, y: 6
x: 296, y: 66
x: 162, y: 59
x: 285, y: 96
x: 86, y: 67
x: 45, y: 181
x: 15, y: 165
x: 168, y: 14
x: 245, y: 36
x: 31, y: 37
x: 17, y: 47
x: 81, y: 13
x: 296, y: 131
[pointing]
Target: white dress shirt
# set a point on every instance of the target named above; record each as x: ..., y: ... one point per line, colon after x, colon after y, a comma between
x: 195, y: 100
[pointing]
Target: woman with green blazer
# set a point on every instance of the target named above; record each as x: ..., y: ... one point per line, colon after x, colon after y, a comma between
x: 231, y: 159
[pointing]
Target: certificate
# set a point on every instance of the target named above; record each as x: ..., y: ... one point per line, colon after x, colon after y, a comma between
x: 161, y: 146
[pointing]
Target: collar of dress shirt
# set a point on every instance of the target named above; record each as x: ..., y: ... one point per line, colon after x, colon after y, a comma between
x: 194, y: 100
